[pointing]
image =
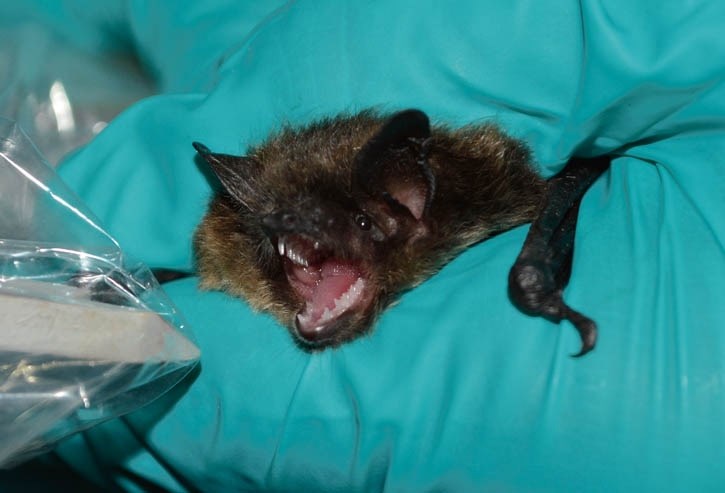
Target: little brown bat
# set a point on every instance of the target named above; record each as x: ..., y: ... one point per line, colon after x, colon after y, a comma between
x: 324, y: 226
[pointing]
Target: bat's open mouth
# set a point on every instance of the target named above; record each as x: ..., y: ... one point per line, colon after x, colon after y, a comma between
x: 330, y: 286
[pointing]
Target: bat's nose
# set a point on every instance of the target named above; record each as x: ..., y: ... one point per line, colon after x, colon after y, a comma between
x: 305, y: 219
x: 281, y: 222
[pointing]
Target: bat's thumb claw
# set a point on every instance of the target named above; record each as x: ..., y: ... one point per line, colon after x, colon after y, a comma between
x: 587, y: 331
x: 584, y: 350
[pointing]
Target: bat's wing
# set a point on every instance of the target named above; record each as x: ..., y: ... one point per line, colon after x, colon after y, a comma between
x: 541, y: 271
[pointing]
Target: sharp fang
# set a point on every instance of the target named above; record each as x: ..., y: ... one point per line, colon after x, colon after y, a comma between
x: 280, y: 245
x: 305, y: 317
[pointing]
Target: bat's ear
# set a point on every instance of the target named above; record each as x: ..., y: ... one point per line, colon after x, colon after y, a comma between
x: 393, y: 164
x: 235, y: 173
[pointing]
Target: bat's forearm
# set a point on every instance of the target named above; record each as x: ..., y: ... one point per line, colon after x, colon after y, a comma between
x: 541, y: 271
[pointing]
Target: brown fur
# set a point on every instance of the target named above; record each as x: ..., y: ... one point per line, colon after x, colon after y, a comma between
x: 484, y: 185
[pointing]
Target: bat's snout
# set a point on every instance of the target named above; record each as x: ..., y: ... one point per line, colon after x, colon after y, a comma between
x: 281, y: 222
x: 312, y: 221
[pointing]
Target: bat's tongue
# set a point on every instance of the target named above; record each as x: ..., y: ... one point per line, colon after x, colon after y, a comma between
x: 330, y: 289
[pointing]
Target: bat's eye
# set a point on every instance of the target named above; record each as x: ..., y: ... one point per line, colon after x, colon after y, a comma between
x: 363, y: 222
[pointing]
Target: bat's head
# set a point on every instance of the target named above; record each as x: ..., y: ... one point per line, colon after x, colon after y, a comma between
x: 320, y: 225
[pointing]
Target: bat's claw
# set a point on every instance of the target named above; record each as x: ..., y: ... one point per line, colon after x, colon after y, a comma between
x: 533, y: 288
x: 587, y: 330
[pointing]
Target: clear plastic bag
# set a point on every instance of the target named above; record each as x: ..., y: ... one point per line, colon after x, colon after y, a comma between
x: 85, y: 334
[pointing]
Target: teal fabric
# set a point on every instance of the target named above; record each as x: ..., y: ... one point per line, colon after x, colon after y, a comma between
x: 455, y: 390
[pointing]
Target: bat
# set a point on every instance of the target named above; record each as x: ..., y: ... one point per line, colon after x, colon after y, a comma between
x: 326, y: 225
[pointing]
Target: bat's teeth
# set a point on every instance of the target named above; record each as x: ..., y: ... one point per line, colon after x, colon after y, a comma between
x: 317, y: 245
x: 312, y: 320
x: 327, y: 315
x: 350, y: 296
x: 281, y: 246
x: 305, y: 317
x: 297, y: 257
